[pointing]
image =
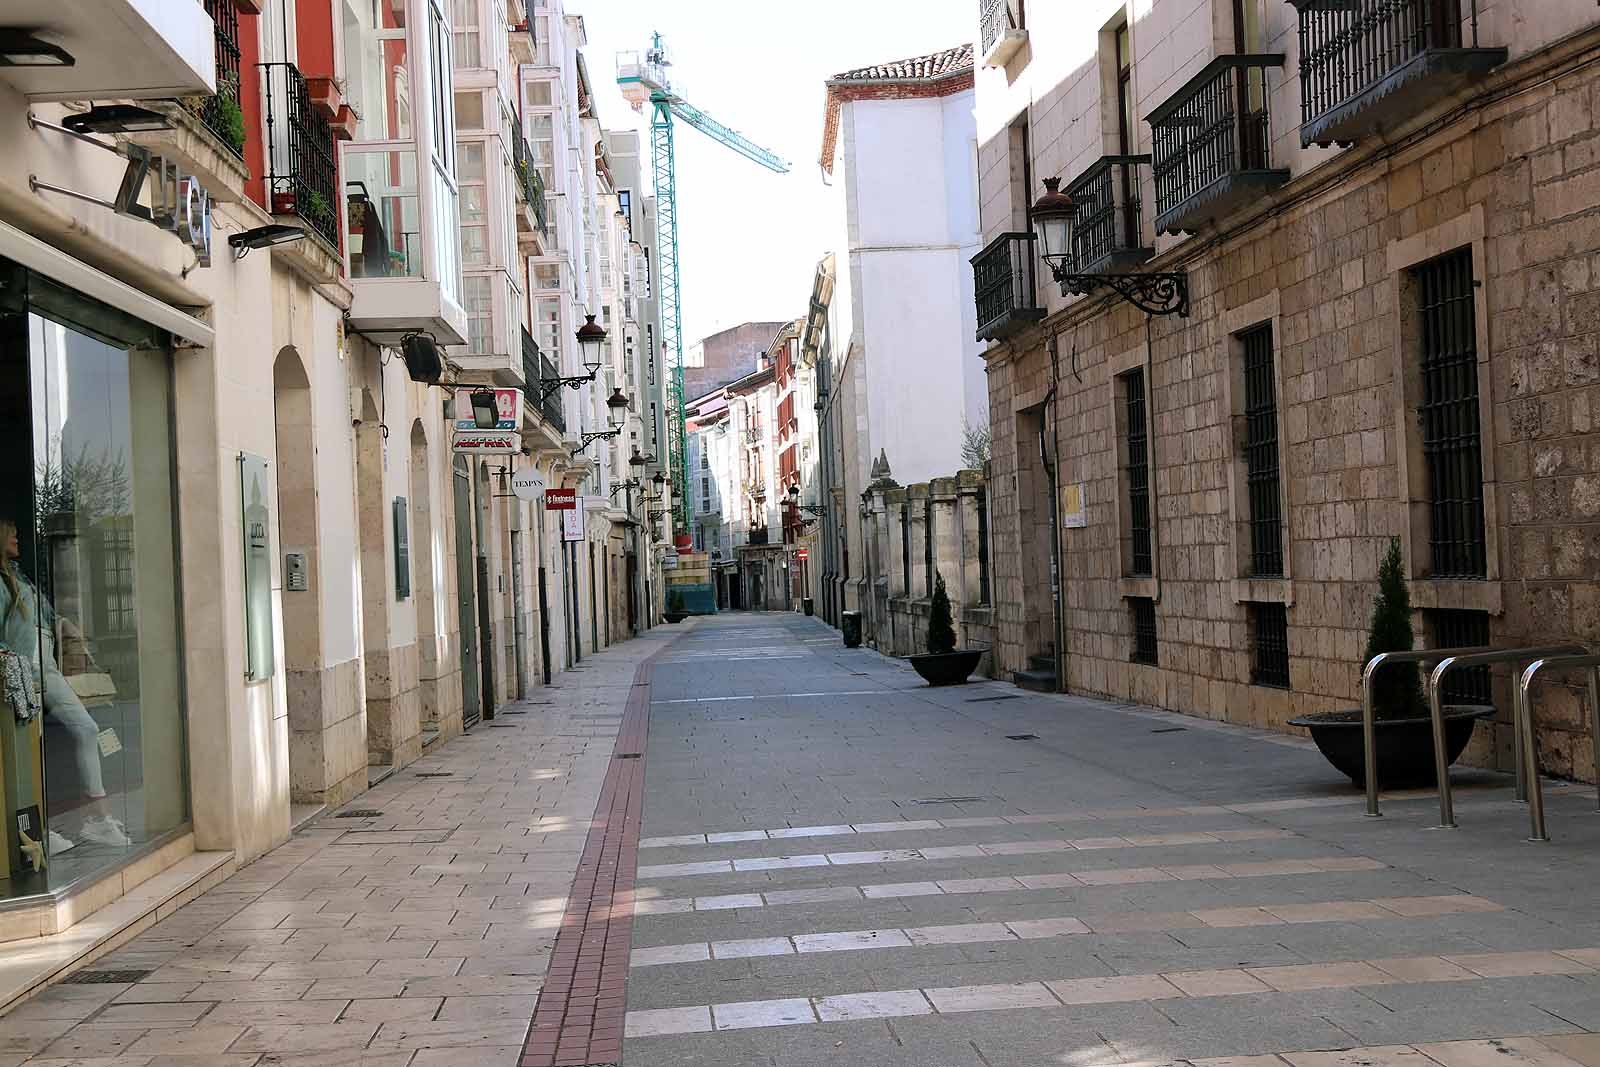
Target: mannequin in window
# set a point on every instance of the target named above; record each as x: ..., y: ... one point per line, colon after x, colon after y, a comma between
x: 22, y: 611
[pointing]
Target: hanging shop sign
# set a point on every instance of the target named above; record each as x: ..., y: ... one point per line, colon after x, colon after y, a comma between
x: 507, y: 402
x: 572, y: 522
x: 487, y: 442
x: 560, y: 499
x: 178, y: 203
x: 528, y: 484
x: 801, y: 553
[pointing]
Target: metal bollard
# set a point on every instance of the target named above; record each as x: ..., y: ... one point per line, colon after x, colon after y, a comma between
x: 1369, y: 729
x: 1526, y: 732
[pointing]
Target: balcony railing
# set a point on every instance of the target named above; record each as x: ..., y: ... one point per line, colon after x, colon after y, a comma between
x: 1000, y: 30
x: 530, y: 185
x: 1213, y: 143
x: 220, y: 112
x: 1368, y: 65
x: 1004, y: 287
x: 758, y: 536
x: 303, y: 176
x: 1108, y: 221
x: 537, y: 367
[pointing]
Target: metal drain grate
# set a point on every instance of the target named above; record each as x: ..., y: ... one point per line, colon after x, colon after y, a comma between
x: 1170, y: 730
x: 359, y: 813
x: 950, y: 800
x: 502, y: 726
x: 436, y: 774
x: 521, y: 712
x: 119, y: 977
x: 1022, y: 737
x: 627, y: 755
x: 990, y: 700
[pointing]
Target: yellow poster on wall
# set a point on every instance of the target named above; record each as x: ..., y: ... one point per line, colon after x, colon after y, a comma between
x: 1074, y: 513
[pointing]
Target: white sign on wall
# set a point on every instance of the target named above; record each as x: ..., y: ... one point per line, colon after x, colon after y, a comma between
x: 572, y: 523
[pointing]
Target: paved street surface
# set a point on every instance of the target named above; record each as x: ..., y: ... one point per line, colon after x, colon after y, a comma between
x: 811, y: 858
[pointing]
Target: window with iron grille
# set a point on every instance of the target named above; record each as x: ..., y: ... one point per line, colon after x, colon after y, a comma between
x: 927, y: 548
x: 1461, y: 629
x: 983, y: 549
x: 1261, y: 453
x: 1269, y: 645
x: 1451, y: 442
x: 1143, y: 610
x: 1138, y: 474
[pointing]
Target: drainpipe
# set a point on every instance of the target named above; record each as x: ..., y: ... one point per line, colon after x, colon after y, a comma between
x: 1052, y: 467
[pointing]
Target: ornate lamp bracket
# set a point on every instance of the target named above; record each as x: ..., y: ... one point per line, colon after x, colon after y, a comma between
x: 1154, y: 294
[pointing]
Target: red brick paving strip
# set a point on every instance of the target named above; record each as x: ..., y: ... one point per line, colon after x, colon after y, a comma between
x: 578, y: 1017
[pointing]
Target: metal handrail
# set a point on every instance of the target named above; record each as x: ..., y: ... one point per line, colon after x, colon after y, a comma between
x: 1369, y: 732
x: 1441, y: 760
x: 1525, y: 733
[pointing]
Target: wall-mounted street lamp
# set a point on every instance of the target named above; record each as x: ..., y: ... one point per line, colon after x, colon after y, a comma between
x: 616, y: 404
x: 811, y: 509
x: 631, y: 483
x: 592, y: 349
x: 1154, y: 294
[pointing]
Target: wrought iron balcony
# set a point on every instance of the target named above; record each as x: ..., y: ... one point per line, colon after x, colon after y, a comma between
x: 220, y: 112
x: 1001, y: 31
x: 758, y: 536
x: 1108, y: 220
x: 537, y: 367
x: 530, y: 185
x: 1369, y: 65
x: 1004, y: 287
x: 303, y: 173
x: 1213, y: 143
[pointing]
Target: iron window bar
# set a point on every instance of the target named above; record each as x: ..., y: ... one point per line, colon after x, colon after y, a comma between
x: 1269, y: 645
x: 1143, y: 610
x: 1141, y: 561
x: 1108, y: 221
x: 995, y: 17
x: 1211, y: 142
x: 1263, y: 488
x: 304, y: 176
x: 1451, y: 439
x: 1451, y: 628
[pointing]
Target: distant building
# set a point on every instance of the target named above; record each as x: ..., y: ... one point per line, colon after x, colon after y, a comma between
x: 728, y: 354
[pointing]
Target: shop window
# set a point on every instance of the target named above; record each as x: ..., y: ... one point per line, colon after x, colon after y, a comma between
x: 92, y: 750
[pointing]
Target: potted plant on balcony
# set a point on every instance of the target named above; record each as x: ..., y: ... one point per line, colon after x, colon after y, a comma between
x: 1404, y: 726
x: 944, y: 663
x: 674, y: 612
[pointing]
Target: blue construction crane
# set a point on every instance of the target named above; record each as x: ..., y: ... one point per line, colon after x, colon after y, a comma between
x: 644, y: 81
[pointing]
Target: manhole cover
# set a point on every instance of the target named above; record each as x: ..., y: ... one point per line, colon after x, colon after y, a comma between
x: 359, y: 813
x: 1170, y: 730
x: 121, y: 977
x: 1022, y: 737
x: 627, y: 755
x: 436, y: 774
x: 990, y: 700
x: 949, y: 800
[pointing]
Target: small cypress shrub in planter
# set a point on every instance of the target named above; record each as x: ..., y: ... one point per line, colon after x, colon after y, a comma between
x: 1405, y: 730
x: 944, y: 664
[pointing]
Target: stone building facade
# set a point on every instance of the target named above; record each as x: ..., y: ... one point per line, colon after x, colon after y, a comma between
x: 1413, y: 316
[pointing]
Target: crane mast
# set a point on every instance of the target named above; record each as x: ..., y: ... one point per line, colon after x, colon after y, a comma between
x: 644, y: 81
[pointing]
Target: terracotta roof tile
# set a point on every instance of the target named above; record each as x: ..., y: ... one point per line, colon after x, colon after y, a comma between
x: 918, y: 68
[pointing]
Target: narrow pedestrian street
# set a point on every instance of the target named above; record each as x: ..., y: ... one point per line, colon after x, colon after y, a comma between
x: 779, y: 851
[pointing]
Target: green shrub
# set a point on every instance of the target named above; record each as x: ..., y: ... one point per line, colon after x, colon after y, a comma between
x: 1397, y: 689
x: 941, y: 630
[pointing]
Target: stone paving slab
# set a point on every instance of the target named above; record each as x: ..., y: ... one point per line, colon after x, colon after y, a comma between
x: 418, y: 937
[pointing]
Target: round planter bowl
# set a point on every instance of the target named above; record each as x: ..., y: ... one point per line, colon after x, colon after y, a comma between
x: 674, y: 616
x: 1405, y: 746
x: 948, y: 668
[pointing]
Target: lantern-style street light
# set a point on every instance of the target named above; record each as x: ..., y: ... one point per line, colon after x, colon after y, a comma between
x: 592, y: 350
x: 1054, y: 216
x: 616, y: 404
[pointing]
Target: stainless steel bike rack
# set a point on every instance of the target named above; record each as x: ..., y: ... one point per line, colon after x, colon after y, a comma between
x: 1369, y: 733
x: 1525, y: 731
x: 1441, y: 760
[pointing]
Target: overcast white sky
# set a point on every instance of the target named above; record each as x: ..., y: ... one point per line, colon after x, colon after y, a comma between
x: 750, y: 238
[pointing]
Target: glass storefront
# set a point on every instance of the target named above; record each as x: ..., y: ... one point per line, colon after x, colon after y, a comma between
x: 91, y: 700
